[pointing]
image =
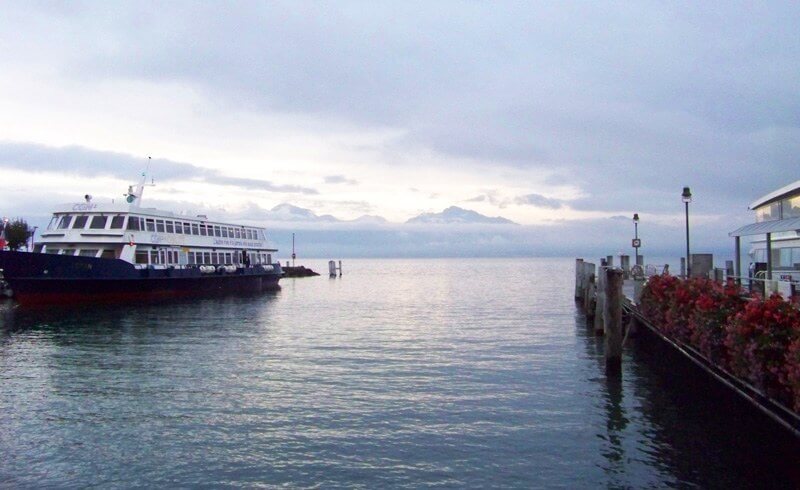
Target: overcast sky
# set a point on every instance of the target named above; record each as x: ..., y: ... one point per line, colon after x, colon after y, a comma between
x: 560, y: 116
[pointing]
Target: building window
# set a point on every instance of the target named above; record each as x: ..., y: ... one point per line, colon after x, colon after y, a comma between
x: 117, y: 222
x: 770, y: 212
x: 98, y: 223
x: 791, y: 207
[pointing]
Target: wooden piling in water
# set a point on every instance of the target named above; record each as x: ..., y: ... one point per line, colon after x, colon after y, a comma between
x: 599, y: 326
x: 612, y: 311
x: 578, y: 278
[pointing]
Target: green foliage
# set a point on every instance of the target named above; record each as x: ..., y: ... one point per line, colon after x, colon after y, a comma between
x: 17, y: 233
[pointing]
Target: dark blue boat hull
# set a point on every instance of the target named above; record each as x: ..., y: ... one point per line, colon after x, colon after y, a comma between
x: 45, y: 278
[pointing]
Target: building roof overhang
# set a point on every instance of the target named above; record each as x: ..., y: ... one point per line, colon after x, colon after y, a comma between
x: 765, y: 227
x: 775, y: 195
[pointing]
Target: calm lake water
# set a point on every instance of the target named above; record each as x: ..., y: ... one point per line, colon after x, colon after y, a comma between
x: 402, y: 373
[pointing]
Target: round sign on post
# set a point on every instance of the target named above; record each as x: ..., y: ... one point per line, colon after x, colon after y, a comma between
x: 636, y: 242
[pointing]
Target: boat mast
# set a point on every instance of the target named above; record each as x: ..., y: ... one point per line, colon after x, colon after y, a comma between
x: 134, y: 195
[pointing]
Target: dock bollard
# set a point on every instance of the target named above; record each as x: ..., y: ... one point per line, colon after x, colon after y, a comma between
x: 613, y: 321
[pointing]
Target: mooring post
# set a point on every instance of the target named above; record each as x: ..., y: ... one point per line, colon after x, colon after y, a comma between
x: 600, y: 300
x: 591, y: 300
x: 588, y: 272
x: 613, y: 321
x: 587, y: 293
x: 625, y: 263
x: 578, y: 282
x: 729, y: 269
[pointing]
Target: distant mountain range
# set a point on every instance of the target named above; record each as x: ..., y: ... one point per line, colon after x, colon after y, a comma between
x: 289, y: 213
x: 452, y: 215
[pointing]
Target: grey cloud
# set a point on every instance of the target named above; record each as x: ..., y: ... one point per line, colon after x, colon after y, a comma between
x: 339, y: 179
x: 75, y: 160
x: 256, y: 184
x: 538, y: 200
x: 627, y: 101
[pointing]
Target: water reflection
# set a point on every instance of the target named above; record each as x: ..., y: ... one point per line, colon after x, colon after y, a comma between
x: 663, y: 414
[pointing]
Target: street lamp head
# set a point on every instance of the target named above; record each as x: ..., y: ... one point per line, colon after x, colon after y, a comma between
x: 687, y: 195
x: 635, y: 217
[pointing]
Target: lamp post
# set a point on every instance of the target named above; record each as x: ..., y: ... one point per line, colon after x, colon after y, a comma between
x: 687, y: 198
x: 636, y: 242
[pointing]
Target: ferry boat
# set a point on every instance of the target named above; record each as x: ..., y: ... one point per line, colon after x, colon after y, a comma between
x: 99, y: 252
x: 775, y: 249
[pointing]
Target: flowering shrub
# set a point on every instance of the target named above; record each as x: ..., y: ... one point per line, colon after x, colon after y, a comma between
x: 755, y: 339
x: 791, y: 373
x: 758, y: 339
x: 713, y: 309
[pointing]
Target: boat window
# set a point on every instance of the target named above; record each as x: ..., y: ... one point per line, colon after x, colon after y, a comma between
x: 141, y: 257
x: 150, y: 224
x: 108, y: 254
x: 65, y: 221
x: 154, y: 257
x: 195, y: 231
x: 207, y: 257
x: 190, y: 258
x: 160, y: 225
x: 67, y: 251
x: 217, y: 232
x: 135, y: 223
x: 117, y: 222
x: 52, y: 223
x: 53, y: 250
x: 269, y: 258
x: 170, y: 227
x: 187, y: 229
x: 178, y: 227
x: 238, y: 233
x: 224, y: 231
x: 80, y: 222
x: 230, y: 232
x: 98, y: 222
x: 88, y: 252
x: 203, y: 230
